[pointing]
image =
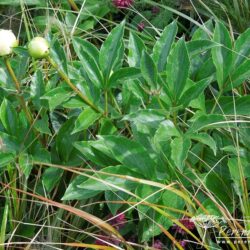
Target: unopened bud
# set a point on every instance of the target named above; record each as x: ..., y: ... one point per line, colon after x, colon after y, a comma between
x: 38, y: 48
x: 7, y: 42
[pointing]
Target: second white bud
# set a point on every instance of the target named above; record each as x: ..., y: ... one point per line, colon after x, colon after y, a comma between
x: 38, y: 48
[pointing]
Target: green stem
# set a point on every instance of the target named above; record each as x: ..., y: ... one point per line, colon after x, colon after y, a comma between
x: 27, y: 25
x: 4, y: 224
x: 25, y: 108
x: 72, y: 86
x: 160, y: 102
x: 175, y: 118
x: 73, y: 5
x: 23, y: 205
x: 19, y: 91
x: 106, y: 103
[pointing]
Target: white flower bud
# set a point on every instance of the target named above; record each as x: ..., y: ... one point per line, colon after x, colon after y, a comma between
x: 38, y: 47
x: 7, y: 42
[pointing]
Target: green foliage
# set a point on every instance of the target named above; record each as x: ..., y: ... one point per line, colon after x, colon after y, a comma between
x: 155, y: 127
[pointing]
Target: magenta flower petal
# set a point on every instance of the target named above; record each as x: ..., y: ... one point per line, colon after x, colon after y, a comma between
x: 186, y: 222
x: 122, y: 3
x: 118, y: 221
x: 183, y: 243
x: 141, y: 26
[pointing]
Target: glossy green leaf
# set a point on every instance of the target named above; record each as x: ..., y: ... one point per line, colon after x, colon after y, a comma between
x: 207, y: 121
x: 172, y: 200
x: 73, y: 192
x: 231, y: 106
x: 80, y: 44
x: 57, y: 96
x: 244, y: 132
x: 107, y: 127
x: 199, y: 103
x: 90, y: 66
x: 149, y: 194
x: 20, y: 63
x: 222, y: 55
x: 37, y: 89
x: 179, y: 151
x: 199, y: 46
x: 9, y: 118
x: 65, y: 140
x: 204, y: 32
x: 149, y: 70
x: 96, y: 8
x: 87, y: 117
x: 42, y: 125
x: 110, y: 49
x: 242, y: 48
x: 74, y: 102
x: 205, y: 139
x: 239, y: 75
x: 135, y: 48
x: 165, y: 131
x: 177, y: 69
x: 118, y: 196
x: 194, y: 92
x: 5, y: 78
x: 130, y: 153
x: 42, y: 155
x: 145, y: 116
x: 119, y: 59
x: 6, y: 158
x: 163, y: 45
x: 97, y: 152
x: 103, y: 182
x: 51, y: 177
x: 9, y: 143
x: 207, y: 69
x: 58, y: 55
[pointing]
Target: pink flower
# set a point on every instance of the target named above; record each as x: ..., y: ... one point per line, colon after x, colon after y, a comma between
x: 186, y: 222
x: 158, y: 244
x: 121, y: 218
x: 122, y: 3
x: 141, y: 26
x: 118, y: 221
x: 183, y: 243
